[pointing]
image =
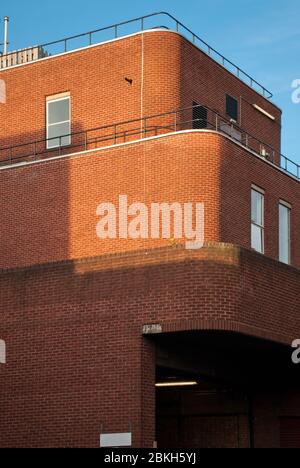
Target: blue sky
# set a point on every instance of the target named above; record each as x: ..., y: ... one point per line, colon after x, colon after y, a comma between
x: 262, y: 37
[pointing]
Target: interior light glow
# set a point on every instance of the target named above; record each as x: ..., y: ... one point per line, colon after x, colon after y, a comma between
x: 176, y: 384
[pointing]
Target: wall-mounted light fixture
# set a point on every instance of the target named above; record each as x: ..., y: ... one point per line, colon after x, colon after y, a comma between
x: 262, y: 111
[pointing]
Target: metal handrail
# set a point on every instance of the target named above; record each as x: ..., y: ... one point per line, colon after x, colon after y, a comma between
x: 153, y: 125
x: 179, y: 27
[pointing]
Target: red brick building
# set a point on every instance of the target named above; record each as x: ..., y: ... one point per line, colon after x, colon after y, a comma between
x: 91, y: 325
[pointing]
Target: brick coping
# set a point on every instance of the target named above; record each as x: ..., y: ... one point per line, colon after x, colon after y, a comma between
x: 157, y: 256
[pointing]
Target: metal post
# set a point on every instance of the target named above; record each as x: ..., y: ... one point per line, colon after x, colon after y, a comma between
x: 6, y: 20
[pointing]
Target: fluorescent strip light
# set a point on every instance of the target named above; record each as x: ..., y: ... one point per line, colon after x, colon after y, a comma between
x: 264, y: 112
x: 176, y: 384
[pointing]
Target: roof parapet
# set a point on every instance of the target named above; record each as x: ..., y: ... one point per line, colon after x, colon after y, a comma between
x: 120, y: 30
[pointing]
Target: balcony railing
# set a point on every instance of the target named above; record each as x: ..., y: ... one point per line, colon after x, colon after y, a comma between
x: 137, y: 129
x: 152, y: 21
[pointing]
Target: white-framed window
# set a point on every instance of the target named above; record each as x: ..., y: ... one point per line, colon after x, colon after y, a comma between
x: 2, y: 352
x: 284, y: 232
x: 257, y: 219
x: 58, y: 121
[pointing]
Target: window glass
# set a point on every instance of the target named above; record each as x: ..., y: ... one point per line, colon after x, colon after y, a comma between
x: 58, y: 111
x: 58, y: 131
x: 257, y: 221
x: 257, y: 208
x: 257, y: 240
x: 284, y: 233
x: 232, y: 107
x: 58, y: 122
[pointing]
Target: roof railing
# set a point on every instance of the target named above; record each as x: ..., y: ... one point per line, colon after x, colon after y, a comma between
x: 114, y: 31
x: 196, y: 117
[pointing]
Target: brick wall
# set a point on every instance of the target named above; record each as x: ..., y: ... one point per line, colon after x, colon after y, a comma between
x: 75, y: 353
x: 205, y: 81
x: 239, y: 170
x: 95, y: 78
x: 49, y: 209
x: 168, y: 72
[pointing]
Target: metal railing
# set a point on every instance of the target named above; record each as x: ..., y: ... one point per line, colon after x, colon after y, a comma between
x: 129, y: 27
x: 137, y: 129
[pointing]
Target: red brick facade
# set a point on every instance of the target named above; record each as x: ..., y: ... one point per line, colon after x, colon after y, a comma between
x: 77, y: 357
x: 74, y: 306
x: 49, y: 209
x: 168, y: 73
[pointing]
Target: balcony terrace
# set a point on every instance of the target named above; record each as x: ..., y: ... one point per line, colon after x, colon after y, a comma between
x: 142, y: 128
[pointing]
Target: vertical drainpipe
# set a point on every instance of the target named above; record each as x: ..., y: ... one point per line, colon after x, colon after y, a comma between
x: 142, y: 115
x: 142, y: 81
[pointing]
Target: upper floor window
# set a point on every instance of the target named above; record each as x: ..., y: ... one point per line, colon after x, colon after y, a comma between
x: 232, y: 107
x: 284, y: 232
x: 2, y: 352
x: 58, y: 121
x: 257, y: 219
